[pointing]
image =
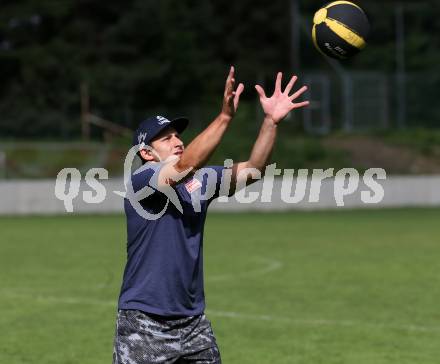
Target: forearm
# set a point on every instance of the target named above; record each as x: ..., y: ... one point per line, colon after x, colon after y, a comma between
x: 201, y: 148
x: 263, y: 146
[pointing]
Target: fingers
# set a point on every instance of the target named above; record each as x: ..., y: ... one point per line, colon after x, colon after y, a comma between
x: 298, y: 93
x: 229, y: 87
x: 230, y: 74
x: 230, y: 82
x: 229, y: 78
x: 290, y: 84
x: 278, y: 82
x: 239, y: 89
x: 237, y: 94
x: 300, y: 104
x: 260, y: 91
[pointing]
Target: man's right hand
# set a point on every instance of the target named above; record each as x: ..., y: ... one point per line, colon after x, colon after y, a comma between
x: 231, y: 97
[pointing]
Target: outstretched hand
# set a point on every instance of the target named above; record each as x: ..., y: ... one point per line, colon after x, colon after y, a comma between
x: 231, y: 97
x: 280, y: 103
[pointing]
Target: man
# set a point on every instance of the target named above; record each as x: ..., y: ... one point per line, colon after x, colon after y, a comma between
x: 161, y: 306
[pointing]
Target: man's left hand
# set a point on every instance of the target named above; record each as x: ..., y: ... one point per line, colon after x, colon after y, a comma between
x: 281, y: 103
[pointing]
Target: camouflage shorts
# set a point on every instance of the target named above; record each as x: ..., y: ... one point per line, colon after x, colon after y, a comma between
x: 142, y: 338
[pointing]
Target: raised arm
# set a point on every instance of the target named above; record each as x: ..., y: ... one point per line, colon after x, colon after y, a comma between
x: 197, y: 153
x: 275, y: 109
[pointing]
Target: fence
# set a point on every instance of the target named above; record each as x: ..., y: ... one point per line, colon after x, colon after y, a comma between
x: 32, y: 197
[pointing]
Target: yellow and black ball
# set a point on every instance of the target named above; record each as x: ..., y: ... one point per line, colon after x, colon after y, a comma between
x: 340, y: 29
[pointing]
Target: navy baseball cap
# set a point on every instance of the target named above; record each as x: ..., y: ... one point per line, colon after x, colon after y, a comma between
x: 152, y: 126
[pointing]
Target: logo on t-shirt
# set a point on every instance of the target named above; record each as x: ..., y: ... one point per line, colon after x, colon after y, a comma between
x: 193, y: 185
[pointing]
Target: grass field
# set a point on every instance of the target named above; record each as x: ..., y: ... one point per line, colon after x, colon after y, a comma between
x: 323, y: 287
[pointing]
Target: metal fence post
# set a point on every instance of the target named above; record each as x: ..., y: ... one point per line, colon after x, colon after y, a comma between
x: 3, y: 165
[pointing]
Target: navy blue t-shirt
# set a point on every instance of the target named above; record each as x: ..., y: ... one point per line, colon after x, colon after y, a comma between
x: 164, y: 270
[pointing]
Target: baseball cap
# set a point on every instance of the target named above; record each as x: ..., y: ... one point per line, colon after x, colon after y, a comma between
x: 152, y: 126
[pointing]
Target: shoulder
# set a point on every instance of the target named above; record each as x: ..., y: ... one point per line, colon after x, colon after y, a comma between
x: 145, y: 175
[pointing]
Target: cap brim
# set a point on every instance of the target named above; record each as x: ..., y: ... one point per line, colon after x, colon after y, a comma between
x: 179, y: 124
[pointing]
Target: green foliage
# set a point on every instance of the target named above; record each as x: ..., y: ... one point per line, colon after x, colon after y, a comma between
x: 143, y: 56
x: 399, y: 152
x: 425, y: 141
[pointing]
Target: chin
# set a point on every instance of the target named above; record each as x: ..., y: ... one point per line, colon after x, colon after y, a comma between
x: 172, y: 157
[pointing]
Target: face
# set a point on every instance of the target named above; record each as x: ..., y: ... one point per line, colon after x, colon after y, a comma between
x: 166, y: 144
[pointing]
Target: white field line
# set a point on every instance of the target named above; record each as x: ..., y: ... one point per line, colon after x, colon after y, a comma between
x: 229, y: 314
x: 270, y: 265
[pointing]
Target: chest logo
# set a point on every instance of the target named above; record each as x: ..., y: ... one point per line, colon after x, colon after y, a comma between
x: 193, y: 185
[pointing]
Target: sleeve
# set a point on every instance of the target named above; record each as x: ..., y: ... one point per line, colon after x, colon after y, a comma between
x: 211, y: 177
x: 147, y: 175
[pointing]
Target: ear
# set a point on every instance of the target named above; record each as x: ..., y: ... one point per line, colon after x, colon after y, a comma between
x: 146, y: 155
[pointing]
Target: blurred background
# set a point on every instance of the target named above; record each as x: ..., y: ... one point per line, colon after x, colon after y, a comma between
x: 330, y: 286
x: 78, y: 76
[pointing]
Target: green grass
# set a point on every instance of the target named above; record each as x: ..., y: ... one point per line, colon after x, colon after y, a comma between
x: 324, y: 287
